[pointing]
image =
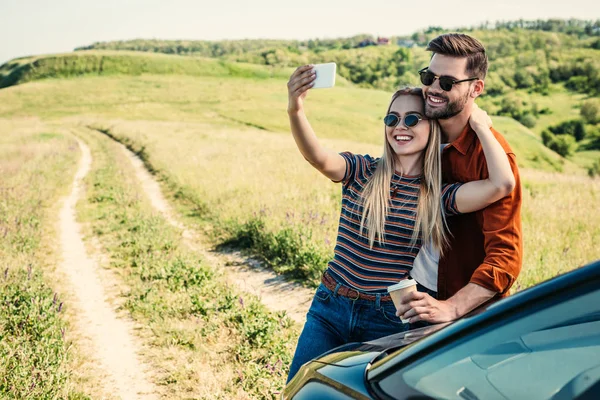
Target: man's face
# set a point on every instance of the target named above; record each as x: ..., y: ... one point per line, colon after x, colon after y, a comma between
x: 440, y: 104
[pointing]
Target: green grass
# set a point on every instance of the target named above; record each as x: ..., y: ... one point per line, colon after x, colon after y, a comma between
x: 586, y: 158
x: 36, y: 168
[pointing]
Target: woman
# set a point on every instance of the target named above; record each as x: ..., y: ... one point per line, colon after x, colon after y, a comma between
x: 390, y: 207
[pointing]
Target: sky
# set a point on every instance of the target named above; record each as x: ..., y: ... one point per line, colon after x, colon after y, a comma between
x: 29, y: 27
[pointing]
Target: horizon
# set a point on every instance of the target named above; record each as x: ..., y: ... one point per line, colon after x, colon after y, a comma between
x: 38, y: 28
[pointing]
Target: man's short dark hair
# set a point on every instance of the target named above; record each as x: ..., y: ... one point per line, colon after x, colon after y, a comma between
x: 461, y: 45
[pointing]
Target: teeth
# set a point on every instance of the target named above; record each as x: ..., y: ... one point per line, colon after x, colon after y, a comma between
x: 403, y: 138
x: 436, y: 100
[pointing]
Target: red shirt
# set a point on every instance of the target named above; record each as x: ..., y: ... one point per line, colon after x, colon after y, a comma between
x: 486, y: 245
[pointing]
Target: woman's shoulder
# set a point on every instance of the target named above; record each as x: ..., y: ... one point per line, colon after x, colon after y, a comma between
x: 364, y: 159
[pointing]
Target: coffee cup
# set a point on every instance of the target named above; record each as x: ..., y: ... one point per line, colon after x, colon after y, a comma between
x: 400, y: 290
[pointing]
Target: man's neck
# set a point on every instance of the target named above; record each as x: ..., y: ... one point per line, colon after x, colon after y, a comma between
x: 453, y: 127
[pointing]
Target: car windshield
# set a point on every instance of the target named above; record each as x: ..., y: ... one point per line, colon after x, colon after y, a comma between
x: 554, y: 349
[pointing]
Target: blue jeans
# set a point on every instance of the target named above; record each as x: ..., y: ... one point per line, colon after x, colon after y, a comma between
x: 333, y: 320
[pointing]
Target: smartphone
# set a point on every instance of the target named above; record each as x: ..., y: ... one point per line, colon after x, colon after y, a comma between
x: 325, y: 75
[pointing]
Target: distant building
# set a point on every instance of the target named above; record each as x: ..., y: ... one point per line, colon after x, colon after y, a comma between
x: 366, y: 43
x: 381, y: 41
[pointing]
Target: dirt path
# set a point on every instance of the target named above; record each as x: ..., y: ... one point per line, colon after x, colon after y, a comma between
x: 114, y: 347
x: 247, y: 274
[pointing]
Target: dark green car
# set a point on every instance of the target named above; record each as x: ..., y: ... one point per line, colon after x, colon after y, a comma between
x: 541, y: 343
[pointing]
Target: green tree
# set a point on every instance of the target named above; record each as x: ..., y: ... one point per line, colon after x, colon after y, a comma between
x: 590, y: 111
x: 574, y: 127
x: 563, y: 145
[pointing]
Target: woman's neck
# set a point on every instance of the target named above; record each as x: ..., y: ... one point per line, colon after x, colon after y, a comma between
x: 410, y: 165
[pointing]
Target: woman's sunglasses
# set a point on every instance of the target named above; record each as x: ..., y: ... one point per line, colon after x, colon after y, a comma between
x: 446, y: 82
x: 410, y: 120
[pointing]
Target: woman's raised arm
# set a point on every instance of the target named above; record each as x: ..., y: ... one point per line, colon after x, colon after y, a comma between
x: 328, y: 162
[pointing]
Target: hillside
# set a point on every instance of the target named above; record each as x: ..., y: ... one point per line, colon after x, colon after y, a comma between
x: 68, y: 65
x: 221, y: 98
x: 542, y: 73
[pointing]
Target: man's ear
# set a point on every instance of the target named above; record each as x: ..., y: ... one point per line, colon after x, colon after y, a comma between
x: 478, y: 87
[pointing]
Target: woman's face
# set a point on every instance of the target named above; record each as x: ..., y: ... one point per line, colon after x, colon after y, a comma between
x: 407, y: 141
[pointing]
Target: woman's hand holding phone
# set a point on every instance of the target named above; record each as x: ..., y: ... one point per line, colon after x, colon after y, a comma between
x: 307, y: 77
x: 301, y: 80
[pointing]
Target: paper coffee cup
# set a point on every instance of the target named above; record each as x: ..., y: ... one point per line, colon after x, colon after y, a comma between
x: 400, y: 290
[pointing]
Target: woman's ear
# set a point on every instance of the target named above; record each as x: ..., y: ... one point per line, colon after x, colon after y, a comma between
x: 478, y: 87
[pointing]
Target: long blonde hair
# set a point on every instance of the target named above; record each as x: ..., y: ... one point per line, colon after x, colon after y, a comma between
x: 430, y: 223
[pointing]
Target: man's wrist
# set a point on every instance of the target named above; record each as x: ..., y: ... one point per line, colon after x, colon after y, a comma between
x: 469, y: 298
x: 454, y: 309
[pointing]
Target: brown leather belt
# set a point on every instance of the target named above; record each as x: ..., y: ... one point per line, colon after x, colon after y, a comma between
x: 349, y: 292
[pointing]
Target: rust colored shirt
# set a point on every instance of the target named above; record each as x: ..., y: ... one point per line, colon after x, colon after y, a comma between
x: 486, y: 245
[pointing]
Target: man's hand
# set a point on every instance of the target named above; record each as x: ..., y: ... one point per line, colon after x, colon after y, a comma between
x: 418, y: 306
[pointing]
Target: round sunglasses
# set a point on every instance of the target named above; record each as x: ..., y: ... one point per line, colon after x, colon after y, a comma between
x: 410, y: 120
x: 446, y: 82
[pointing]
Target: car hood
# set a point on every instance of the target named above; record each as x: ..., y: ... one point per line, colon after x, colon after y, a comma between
x: 364, y: 352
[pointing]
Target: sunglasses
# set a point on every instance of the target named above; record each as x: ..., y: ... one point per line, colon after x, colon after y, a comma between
x: 410, y: 120
x: 446, y: 82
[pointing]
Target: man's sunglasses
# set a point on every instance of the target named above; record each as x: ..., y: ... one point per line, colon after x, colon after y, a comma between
x: 410, y: 120
x: 446, y: 82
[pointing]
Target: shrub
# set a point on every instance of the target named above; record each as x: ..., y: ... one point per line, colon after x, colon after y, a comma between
x: 528, y: 120
x: 561, y: 144
x: 594, y: 170
x: 574, y: 127
x: 590, y: 111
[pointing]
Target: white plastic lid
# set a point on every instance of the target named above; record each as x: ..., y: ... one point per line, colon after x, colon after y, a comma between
x: 401, y: 285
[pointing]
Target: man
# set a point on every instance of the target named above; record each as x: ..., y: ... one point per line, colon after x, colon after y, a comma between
x: 486, y: 246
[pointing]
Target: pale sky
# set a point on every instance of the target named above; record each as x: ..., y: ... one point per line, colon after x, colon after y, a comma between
x: 30, y: 27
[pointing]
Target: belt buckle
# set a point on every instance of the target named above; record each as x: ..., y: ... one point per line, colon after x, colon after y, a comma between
x: 357, y: 294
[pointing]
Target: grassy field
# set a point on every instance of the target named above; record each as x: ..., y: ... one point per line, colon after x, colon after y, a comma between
x: 221, y: 147
x: 37, y: 165
x: 219, y: 143
x: 203, y: 338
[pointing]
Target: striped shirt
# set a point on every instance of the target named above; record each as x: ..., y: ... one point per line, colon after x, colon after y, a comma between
x: 373, y: 270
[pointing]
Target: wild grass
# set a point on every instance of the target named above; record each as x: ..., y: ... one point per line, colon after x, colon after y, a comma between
x: 205, y: 339
x: 199, y: 135
x: 345, y: 113
x: 255, y: 186
x: 36, y: 166
x: 561, y: 224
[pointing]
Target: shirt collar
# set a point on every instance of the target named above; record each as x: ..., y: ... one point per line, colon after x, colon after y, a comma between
x: 464, y: 140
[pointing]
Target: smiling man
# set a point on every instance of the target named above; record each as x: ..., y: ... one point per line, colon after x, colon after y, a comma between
x: 486, y: 246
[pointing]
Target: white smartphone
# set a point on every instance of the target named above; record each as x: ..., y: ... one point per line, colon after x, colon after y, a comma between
x: 325, y: 75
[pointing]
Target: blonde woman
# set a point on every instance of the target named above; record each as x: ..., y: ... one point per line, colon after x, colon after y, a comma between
x: 390, y: 207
